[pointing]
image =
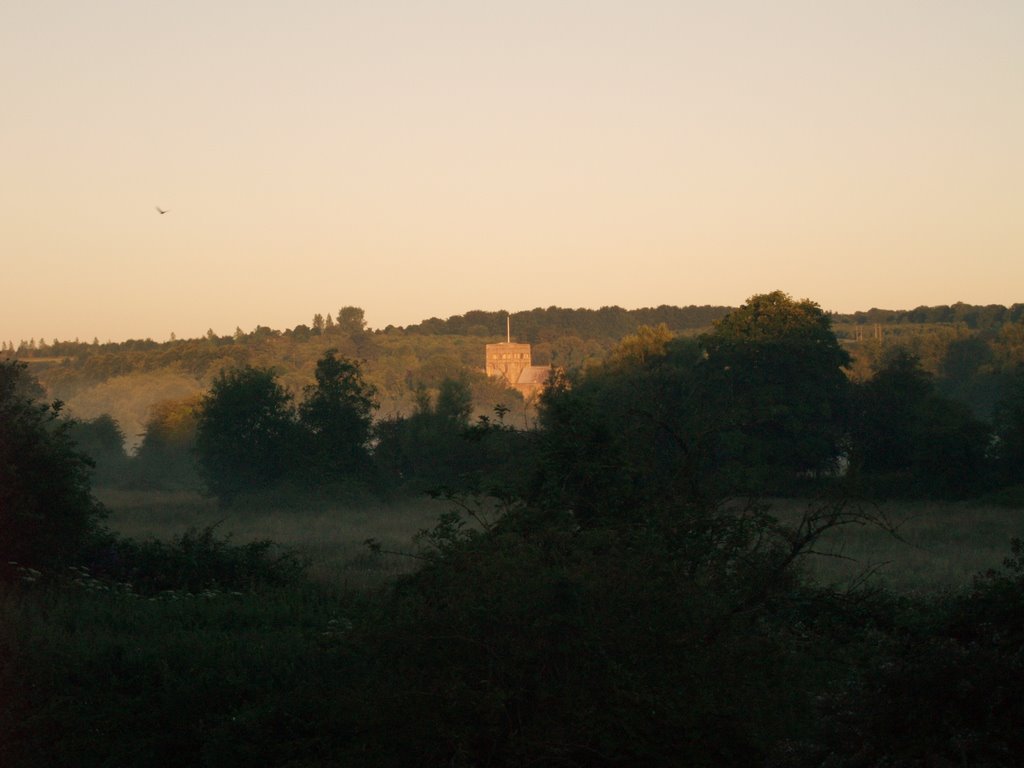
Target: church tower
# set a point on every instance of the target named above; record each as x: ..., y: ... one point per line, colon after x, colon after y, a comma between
x: 507, y: 360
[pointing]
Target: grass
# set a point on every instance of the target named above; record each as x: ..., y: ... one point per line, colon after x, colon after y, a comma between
x: 331, y: 535
x: 935, y: 545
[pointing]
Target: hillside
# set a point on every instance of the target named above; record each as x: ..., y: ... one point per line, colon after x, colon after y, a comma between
x: 967, y: 348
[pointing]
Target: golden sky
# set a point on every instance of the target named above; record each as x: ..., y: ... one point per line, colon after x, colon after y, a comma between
x: 423, y: 159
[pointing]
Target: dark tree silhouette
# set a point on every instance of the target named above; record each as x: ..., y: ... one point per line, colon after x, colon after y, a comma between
x: 245, y: 431
x: 337, y: 417
x: 775, y: 374
x: 47, y: 510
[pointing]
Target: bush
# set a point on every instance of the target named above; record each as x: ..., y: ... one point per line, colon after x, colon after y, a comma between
x: 939, y: 685
x: 195, y: 561
x: 664, y: 641
x: 47, y: 511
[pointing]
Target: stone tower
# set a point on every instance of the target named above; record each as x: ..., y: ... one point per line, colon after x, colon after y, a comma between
x: 508, y: 360
x: 513, y: 363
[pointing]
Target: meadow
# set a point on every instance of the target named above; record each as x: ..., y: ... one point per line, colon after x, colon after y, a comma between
x: 924, y: 546
x: 330, y: 535
x: 927, y: 545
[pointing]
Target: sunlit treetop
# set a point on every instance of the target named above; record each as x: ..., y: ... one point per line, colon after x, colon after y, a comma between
x: 776, y: 318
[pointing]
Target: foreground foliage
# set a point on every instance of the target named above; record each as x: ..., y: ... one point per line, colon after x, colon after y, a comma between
x: 689, y: 638
x: 656, y: 642
x: 47, y: 510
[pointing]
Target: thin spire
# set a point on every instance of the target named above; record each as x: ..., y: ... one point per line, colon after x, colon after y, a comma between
x: 508, y: 329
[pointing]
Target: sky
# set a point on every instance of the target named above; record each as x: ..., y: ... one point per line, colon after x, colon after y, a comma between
x: 423, y: 159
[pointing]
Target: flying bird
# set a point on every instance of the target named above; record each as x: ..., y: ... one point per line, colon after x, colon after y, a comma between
x: 160, y: 210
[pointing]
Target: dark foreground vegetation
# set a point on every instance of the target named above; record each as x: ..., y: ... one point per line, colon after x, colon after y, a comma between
x: 605, y: 589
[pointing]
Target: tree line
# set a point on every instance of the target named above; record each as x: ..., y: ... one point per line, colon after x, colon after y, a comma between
x: 967, y: 359
x: 763, y: 403
x: 972, y: 316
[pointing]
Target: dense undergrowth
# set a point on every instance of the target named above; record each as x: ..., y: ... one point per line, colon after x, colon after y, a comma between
x: 690, y: 638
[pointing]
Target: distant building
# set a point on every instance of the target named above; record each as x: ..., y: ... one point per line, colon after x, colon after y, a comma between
x: 513, y: 363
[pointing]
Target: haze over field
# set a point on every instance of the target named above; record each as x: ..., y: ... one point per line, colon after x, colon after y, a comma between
x: 403, y: 156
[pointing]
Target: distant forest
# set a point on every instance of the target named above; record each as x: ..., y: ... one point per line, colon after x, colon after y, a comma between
x: 127, y: 379
x: 967, y: 349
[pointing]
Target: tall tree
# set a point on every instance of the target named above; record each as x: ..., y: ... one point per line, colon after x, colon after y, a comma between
x: 886, y: 412
x: 245, y: 431
x: 337, y: 414
x: 633, y: 433
x: 905, y: 439
x: 351, y: 320
x: 775, y: 369
x: 435, y: 447
x: 166, y: 457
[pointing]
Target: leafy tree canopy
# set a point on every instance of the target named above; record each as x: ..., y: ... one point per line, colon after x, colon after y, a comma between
x: 776, y: 372
x: 245, y: 431
x: 337, y: 415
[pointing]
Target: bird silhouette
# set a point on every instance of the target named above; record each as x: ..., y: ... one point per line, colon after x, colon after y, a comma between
x: 160, y: 210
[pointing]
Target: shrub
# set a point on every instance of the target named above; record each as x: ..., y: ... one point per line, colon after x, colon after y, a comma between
x: 47, y: 510
x: 939, y: 685
x: 195, y: 561
x: 662, y: 641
